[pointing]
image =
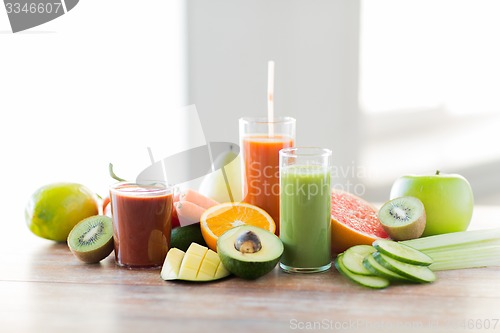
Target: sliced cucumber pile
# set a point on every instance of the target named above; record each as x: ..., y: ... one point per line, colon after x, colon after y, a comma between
x: 384, y: 263
x: 371, y: 281
x: 377, y: 269
x: 402, y: 252
x: 413, y: 272
x: 353, y: 258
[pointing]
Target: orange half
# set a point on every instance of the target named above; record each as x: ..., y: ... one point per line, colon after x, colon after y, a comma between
x: 220, y: 218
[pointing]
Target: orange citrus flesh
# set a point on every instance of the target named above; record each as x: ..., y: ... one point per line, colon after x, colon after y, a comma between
x: 220, y: 218
x: 354, y: 222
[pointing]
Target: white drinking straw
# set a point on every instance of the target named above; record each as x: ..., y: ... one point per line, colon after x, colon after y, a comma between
x: 270, y: 97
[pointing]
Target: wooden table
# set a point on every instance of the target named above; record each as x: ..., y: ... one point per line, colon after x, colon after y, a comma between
x: 44, y: 288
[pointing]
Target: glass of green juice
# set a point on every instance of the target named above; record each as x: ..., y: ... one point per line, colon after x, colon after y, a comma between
x: 305, y: 199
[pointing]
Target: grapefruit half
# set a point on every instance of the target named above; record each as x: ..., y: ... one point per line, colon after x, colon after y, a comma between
x: 354, y: 222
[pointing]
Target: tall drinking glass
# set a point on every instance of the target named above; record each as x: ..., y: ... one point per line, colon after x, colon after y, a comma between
x: 261, y: 141
x: 305, y: 202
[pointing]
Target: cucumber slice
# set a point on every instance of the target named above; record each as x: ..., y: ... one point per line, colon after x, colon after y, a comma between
x: 402, y: 252
x: 415, y: 273
x: 377, y: 269
x: 375, y: 282
x: 353, y: 258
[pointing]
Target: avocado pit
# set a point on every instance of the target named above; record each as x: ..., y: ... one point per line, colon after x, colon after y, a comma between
x: 248, y: 242
x: 248, y: 251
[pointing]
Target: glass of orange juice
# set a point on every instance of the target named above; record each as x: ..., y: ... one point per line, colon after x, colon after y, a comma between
x: 260, y: 142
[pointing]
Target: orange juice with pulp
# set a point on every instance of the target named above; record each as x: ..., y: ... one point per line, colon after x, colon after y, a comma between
x: 261, y: 172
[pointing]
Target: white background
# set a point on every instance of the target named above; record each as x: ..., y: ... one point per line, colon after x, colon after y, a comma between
x: 103, y: 82
x: 97, y: 85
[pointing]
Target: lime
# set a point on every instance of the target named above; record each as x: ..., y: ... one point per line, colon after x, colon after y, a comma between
x: 182, y: 237
x: 53, y: 210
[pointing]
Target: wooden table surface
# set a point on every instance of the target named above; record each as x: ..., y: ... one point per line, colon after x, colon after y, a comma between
x: 44, y: 288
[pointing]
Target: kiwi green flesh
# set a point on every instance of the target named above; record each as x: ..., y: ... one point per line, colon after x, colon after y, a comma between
x: 91, y: 240
x: 403, y: 218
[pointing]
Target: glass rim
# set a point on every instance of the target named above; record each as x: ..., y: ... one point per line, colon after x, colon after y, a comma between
x: 150, y: 189
x: 265, y: 120
x: 305, y: 151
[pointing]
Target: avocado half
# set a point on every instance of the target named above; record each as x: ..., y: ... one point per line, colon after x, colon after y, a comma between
x: 249, y: 252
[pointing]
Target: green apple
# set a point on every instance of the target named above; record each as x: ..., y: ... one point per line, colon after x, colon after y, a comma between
x: 214, y: 184
x: 447, y: 198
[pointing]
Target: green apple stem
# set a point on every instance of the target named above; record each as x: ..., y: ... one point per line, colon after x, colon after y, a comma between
x: 113, y: 175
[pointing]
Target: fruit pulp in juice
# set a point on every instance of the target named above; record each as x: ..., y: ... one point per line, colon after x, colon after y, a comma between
x: 142, y: 225
x: 261, y: 172
x: 305, y: 216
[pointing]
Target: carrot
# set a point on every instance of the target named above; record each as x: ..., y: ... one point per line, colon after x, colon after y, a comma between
x: 188, y: 212
x: 106, y: 206
x: 197, y: 198
x: 175, y: 218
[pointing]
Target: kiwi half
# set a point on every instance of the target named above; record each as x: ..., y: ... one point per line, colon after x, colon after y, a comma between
x: 403, y: 218
x: 91, y: 240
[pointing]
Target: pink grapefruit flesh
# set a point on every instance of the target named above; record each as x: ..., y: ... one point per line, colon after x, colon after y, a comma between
x: 354, y: 222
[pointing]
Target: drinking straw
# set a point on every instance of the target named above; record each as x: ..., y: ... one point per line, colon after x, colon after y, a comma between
x: 270, y: 97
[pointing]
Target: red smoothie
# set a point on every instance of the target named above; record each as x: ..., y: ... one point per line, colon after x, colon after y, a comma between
x: 142, y: 217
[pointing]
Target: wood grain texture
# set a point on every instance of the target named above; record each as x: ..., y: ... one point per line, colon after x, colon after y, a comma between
x: 44, y: 288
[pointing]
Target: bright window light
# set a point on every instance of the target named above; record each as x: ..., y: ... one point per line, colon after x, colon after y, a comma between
x: 424, y: 54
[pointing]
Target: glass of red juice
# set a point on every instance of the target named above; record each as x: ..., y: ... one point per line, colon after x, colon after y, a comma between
x: 142, y: 223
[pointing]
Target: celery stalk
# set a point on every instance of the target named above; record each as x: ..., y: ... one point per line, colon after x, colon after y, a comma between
x: 458, y: 250
x: 454, y: 239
